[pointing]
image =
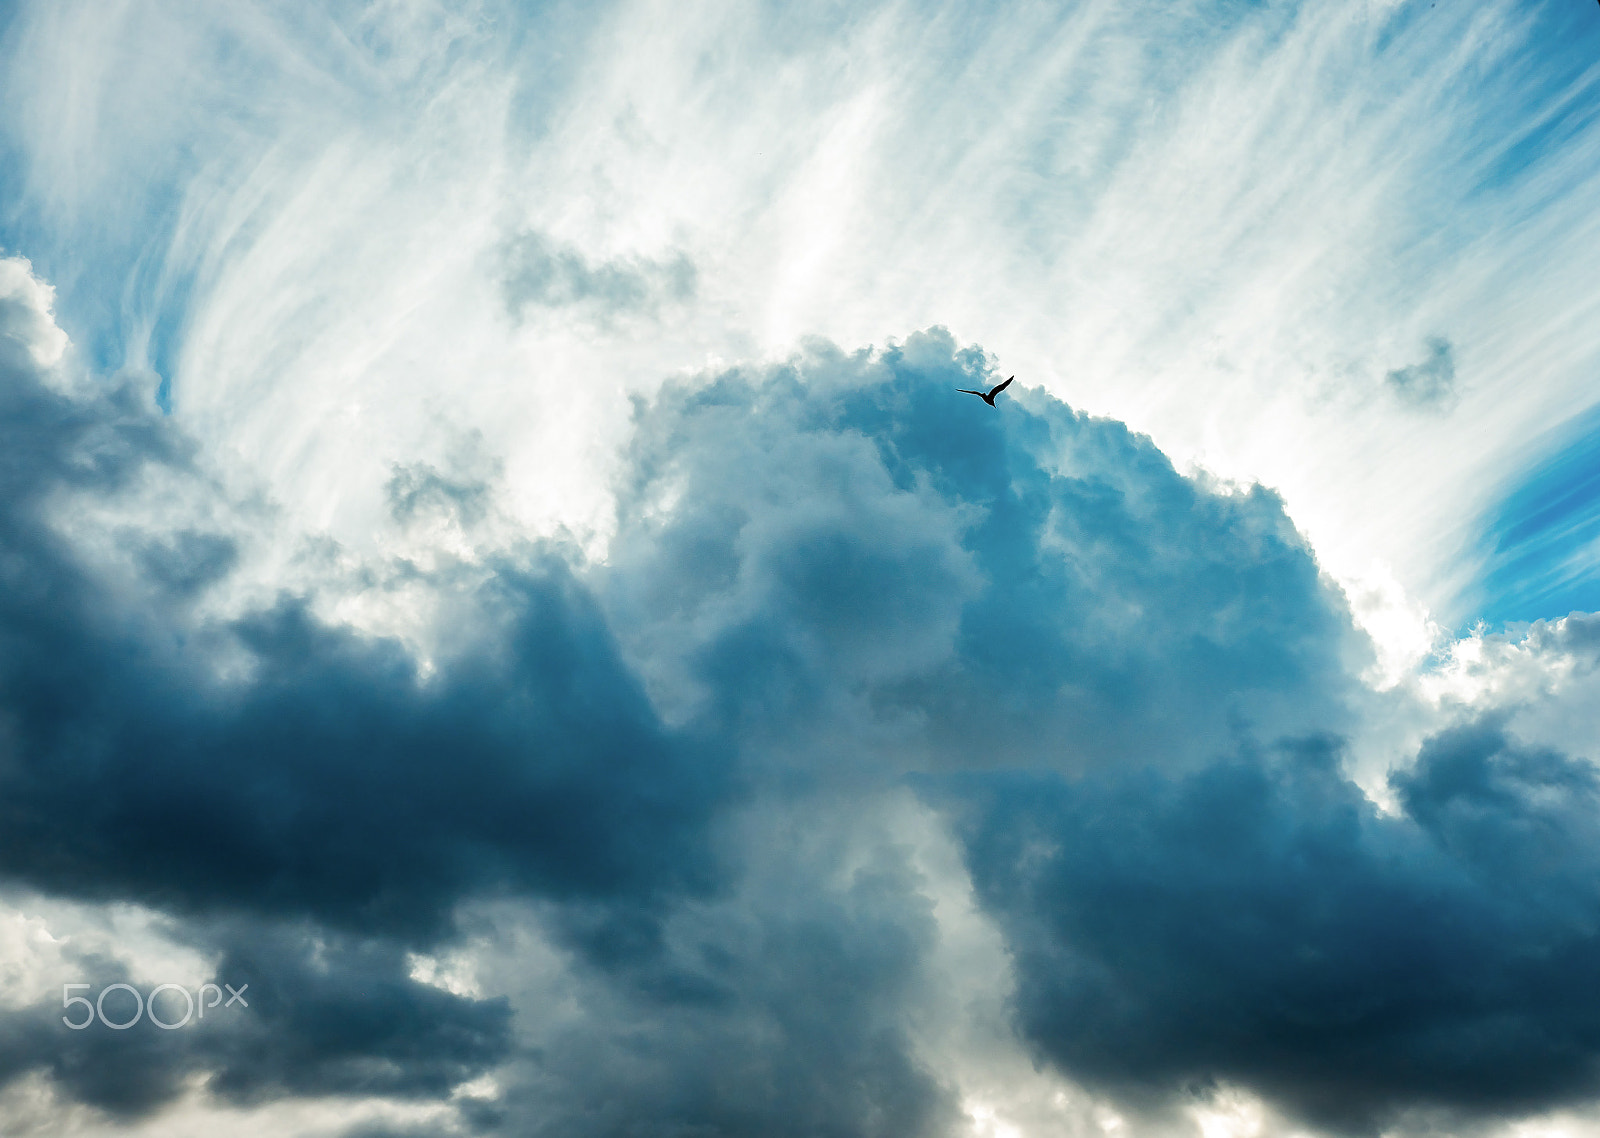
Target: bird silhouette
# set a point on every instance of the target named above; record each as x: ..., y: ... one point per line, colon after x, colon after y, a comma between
x: 988, y: 396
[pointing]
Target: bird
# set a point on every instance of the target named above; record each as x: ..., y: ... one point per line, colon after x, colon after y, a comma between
x: 988, y: 396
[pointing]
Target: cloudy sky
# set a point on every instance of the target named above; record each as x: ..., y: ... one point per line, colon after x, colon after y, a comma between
x: 494, y: 558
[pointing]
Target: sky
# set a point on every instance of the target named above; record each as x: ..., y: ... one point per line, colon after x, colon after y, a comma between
x: 495, y: 558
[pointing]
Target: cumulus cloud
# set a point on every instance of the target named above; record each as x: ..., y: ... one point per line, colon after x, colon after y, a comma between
x: 1193, y: 886
x: 26, y: 325
x: 1037, y: 589
x: 635, y: 842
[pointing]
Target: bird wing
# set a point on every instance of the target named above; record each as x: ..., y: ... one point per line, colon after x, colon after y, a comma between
x: 979, y: 394
x: 1001, y: 386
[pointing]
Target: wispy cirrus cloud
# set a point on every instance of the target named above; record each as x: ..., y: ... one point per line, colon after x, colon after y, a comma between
x: 1225, y: 227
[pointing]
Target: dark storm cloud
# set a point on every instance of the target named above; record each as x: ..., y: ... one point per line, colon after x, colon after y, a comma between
x: 333, y: 788
x: 333, y: 1014
x: 1259, y: 921
x: 335, y: 782
x: 327, y: 1014
x: 125, y: 1073
x: 542, y: 272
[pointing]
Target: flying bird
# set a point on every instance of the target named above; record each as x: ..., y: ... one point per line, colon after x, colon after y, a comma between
x: 988, y: 396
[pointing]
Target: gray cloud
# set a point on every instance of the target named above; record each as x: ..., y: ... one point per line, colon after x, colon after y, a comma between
x: 779, y: 1010
x: 419, y: 489
x: 188, y: 561
x: 327, y: 1014
x: 1431, y: 383
x: 540, y: 272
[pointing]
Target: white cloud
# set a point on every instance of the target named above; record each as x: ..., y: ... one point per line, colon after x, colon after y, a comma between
x: 30, y: 323
x: 1226, y: 233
